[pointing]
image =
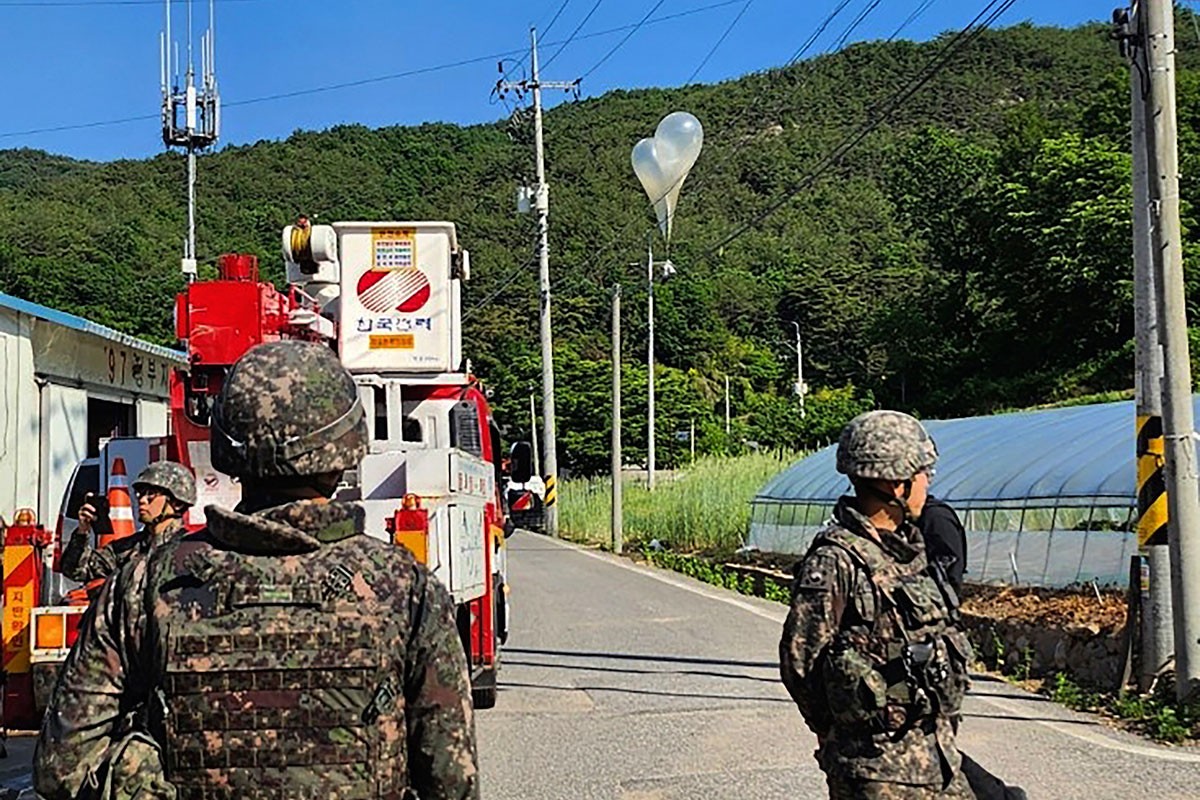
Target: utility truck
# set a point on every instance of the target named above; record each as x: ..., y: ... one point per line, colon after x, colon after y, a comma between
x: 387, y: 297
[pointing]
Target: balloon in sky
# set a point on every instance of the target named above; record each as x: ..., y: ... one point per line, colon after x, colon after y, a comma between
x: 663, y: 163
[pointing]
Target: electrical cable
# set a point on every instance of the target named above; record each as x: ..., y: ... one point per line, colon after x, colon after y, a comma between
x: 887, y: 109
x: 621, y: 43
x: 808, y: 43
x: 364, y: 81
x: 720, y: 41
x: 940, y: 58
x: 574, y: 33
x: 98, y: 3
x: 546, y: 30
x: 911, y: 18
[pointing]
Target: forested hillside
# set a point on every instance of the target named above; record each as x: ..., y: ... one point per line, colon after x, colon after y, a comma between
x: 970, y: 254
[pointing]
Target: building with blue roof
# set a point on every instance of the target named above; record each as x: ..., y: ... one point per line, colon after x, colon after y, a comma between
x: 1048, y: 497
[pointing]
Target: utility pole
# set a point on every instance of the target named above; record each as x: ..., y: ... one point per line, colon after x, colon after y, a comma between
x: 799, y: 368
x: 537, y: 464
x: 617, y: 511
x: 1158, y: 31
x: 542, y: 202
x: 727, y: 405
x: 1157, y: 639
x: 650, y: 363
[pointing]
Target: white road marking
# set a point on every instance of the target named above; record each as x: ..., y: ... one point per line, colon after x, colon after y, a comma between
x: 1013, y: 709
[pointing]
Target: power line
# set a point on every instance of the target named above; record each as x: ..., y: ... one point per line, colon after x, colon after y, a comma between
x: 862, y: 15
x: 87, y: 3
x: 557, y: 14
x: 889, y: 107
x: 545, y: 30
x: 816, y: 34
x: 720, y: 41
x: 364, y: 81
x: 512, y: 276
x: 621, y: 43
x: 623, y: 233
x: 911, y: 18
x: 574, y: 33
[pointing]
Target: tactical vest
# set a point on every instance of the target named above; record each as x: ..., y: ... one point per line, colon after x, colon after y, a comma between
x: 898, y: 661
x: 278, y: 683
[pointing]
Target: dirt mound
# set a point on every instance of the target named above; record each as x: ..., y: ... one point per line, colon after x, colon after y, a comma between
x: 1047, y: 608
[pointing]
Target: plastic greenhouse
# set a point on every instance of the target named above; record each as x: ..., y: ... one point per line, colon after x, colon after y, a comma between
x: 1048, y: 498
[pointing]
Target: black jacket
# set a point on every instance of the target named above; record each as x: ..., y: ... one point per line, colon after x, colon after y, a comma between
x: 945, y: 539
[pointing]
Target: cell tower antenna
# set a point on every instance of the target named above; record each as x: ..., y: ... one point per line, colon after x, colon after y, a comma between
x: 191, y: 115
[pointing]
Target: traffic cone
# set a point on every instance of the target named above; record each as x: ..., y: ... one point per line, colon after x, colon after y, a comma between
x: 120, y: 505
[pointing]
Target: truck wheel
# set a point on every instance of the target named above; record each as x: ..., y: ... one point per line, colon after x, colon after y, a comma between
x: 483, y: 690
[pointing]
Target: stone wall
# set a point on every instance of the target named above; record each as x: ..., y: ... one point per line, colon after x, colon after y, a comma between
x: 1091, y: 654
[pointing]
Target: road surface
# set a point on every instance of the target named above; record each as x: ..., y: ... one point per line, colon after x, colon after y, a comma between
x: 622, y: 681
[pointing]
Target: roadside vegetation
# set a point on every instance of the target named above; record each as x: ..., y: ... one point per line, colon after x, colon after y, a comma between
x: 703, y: 508
x: 1156, y: 713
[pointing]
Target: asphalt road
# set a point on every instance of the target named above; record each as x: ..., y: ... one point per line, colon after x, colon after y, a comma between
x: 621, y: 681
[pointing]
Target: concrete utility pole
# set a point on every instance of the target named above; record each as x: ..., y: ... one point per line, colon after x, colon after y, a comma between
x: 1157, y: 637
x: 542, y: 202
x: 1158, y: 28
x: 537, y: 463
x: 650, y: 364
x: 799, y: 368
x: 617, y: 511
x: 727, y: 405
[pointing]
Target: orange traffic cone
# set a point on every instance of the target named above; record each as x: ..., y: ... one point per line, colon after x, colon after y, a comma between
x: 120, y: 505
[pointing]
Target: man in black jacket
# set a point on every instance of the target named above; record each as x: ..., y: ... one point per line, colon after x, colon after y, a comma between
x: 946, y: 545
x: 945, y: 540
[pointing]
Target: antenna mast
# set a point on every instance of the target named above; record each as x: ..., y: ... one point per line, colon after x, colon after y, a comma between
x: 191, y: 116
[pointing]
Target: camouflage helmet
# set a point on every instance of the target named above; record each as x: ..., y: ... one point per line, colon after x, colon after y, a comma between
x: 888, y: 445
x: 171, y: 477
x: 288, y: 409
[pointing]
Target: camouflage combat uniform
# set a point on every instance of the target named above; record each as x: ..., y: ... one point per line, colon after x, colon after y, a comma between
x: 83, y: 563
x: 278, y: 653
x: 872, y: 657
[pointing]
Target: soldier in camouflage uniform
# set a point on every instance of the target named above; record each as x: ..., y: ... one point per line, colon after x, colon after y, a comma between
x: 165, y: 491
x: 870, y: 651
x: 280, y: 652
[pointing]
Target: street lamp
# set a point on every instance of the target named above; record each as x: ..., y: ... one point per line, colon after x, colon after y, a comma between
x: 667, y: 269
x: 800, y: 387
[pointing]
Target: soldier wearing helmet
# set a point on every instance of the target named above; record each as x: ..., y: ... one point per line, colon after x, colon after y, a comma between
x: 871, y: 652
x: 165, y: 491
x: 279, y: 652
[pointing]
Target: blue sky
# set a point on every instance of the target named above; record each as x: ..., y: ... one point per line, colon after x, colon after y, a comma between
x: 74, y: 62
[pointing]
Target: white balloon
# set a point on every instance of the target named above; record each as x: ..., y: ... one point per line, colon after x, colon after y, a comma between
x: 663, y: 163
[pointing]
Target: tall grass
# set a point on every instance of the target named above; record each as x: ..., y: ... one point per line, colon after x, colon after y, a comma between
x: 704, y: 507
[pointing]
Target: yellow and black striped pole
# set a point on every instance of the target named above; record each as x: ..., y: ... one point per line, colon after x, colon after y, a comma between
x: 1151, y: 482
x: 551, y: 491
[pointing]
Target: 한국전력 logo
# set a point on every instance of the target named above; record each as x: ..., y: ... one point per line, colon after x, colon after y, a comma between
x: 388, y: 291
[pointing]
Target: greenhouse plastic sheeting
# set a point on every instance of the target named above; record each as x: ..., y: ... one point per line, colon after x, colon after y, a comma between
x: 1078, y: 456
x: 1047, y: 497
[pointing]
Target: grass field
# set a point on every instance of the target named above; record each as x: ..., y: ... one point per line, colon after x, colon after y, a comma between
x: 702, y: 508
